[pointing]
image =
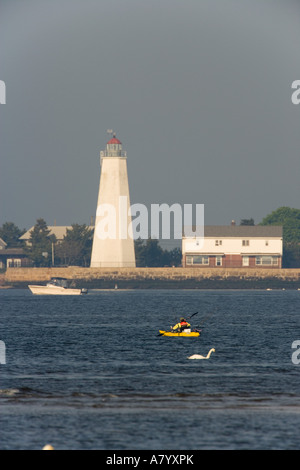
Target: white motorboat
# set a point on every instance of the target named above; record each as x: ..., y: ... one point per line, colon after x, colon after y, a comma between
x: 56, y: 286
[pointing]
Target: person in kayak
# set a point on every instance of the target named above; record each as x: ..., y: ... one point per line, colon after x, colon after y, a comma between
x: 182, y: 325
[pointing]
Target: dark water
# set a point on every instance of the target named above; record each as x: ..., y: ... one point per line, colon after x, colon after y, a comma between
x: 91, y: 372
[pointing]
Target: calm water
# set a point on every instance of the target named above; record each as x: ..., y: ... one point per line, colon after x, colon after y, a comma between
x: 91, y: 372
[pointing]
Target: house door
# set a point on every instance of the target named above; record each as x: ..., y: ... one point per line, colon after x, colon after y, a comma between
x: 245, y: 260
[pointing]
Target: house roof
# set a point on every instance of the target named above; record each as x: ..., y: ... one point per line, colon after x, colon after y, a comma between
x: 247, y: 231
x: 58, y: 230
x: 2, y: 243
x: 12, y: 252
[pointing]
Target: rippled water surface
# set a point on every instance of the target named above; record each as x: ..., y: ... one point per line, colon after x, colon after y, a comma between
x: 92, y: 372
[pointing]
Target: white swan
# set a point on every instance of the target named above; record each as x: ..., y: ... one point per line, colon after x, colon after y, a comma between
x: 198, y: 356
x: 48, y: 447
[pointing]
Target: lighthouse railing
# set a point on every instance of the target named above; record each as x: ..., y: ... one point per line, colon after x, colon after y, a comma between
x: 117, y: 153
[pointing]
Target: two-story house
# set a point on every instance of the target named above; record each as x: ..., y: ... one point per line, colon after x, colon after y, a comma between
x: 258, y: 246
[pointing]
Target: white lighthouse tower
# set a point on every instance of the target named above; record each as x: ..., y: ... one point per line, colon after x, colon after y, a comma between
x: 113, y: 244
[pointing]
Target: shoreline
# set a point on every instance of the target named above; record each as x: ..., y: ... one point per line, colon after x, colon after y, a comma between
x: 156, y: 278
x: 173, y: 285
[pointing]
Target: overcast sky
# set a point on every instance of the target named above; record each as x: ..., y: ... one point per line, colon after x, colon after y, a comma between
x: 198, y: 91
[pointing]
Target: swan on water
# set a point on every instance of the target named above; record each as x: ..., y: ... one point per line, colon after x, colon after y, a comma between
x: 198, y: 356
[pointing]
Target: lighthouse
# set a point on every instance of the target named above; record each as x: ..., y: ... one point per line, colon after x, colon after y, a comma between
x: 113, y: 244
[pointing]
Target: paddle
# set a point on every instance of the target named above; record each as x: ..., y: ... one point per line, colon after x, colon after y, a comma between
x: 192, y: 315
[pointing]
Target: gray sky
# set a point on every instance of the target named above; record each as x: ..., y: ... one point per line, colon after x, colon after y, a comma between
x: 198, y: 91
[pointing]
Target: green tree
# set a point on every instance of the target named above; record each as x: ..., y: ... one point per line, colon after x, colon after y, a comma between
x: 149, y: 253
x: 289, y: 219
x: 75, y: 248
x: 174, y: 257
x: 39, y: 247
x: 154, y: 254
x: 11, y: 234
x: 139, y: 248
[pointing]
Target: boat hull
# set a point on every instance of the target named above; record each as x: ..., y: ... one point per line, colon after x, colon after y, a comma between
x: 192, y: 334
x: 54, y: 290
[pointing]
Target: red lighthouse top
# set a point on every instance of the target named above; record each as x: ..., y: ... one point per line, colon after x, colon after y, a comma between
x: 113, y: 148
x: 114, y: 140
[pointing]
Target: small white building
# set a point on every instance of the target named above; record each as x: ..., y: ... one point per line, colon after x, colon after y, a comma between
x: 234, y: 246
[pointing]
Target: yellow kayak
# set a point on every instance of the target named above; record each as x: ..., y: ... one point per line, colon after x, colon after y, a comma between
x: 192, y: 334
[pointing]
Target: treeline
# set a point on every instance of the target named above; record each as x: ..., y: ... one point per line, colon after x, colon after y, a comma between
x: 150, y: 253
x: 75, y: 248
x: 290, y: 220
x: 44, y: 250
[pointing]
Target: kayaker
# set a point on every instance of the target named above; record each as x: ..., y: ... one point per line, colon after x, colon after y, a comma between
x: 182, y: 325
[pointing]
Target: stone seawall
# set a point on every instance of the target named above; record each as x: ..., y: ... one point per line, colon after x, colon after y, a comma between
x: 159, y: 277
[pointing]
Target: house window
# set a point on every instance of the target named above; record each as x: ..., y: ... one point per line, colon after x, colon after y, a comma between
x: 218, y: 260
x: 13, y: 263
x: 245, y: 242
x: 245, y: 260
x: 266, y: 260
x: 200, y: 259
x: 218, y: 242
x: 197, y: 259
